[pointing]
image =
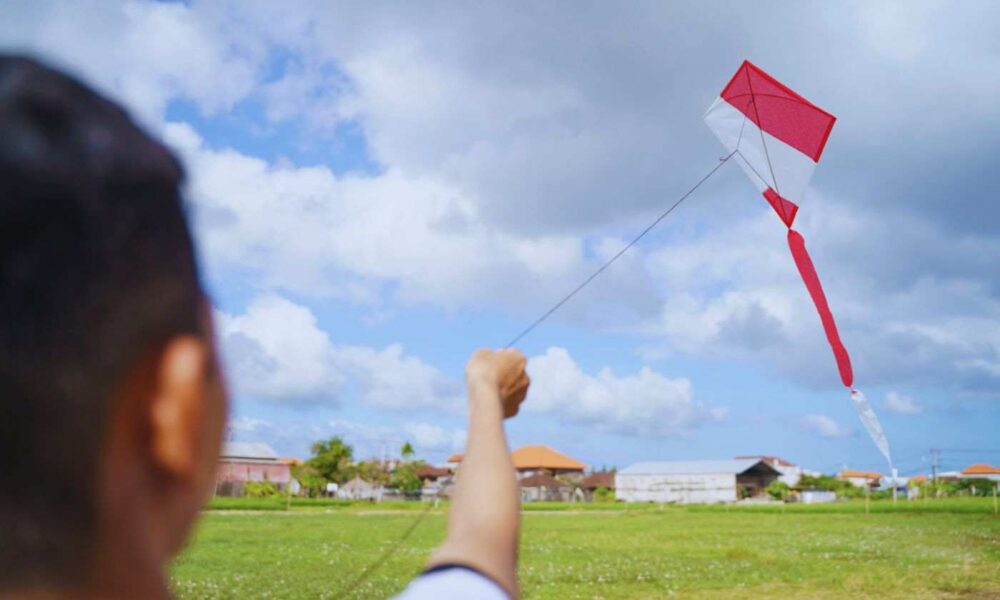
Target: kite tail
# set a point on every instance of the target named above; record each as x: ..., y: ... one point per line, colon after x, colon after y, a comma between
x: 797, y: 244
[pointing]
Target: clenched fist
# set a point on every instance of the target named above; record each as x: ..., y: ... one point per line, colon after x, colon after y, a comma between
x: 502, y: 370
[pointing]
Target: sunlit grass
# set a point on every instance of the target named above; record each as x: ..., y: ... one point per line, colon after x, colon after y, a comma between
x: 947, y: 549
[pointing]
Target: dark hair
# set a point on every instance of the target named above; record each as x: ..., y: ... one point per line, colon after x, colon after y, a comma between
x: 97, y: 270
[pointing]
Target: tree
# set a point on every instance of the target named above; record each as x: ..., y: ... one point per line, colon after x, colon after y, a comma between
x: 843, y: 489
x: 311, y: 481
x: 373, y: 471
x: 405, y: 478
x: 778, y: 490
x: 332, y: 460
x: 406, y: 451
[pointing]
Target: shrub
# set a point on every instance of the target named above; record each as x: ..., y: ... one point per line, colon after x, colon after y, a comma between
x: 603, y: 494
x: 260, y: 489
x: 778, y: 490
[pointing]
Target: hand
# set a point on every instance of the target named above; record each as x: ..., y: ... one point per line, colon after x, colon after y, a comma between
x: 502, y: 370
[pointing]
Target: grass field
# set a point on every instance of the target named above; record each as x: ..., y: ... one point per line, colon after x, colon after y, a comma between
x: 936, y: 549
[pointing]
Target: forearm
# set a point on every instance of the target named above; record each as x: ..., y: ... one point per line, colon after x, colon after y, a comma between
x: 483, y: 524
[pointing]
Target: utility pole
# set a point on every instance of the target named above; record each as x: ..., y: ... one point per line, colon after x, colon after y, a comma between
x: 935, y: 459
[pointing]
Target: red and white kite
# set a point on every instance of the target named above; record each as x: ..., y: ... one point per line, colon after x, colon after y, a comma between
x: 777, y: 137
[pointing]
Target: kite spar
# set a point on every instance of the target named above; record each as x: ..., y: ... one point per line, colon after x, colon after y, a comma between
x: 777, y: 137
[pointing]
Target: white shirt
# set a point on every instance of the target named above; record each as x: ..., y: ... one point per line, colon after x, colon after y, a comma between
x: 453, y: 582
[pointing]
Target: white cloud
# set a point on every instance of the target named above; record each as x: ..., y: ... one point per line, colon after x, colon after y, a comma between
x: 495, y: 177
x: 277, y: 351
x: 904, y: 405
x: 390, y: 380
x: 646, y: 403
x: 145, y: 53
x: 429, y: 440
x: 825, y: 426
x: 354, y: 234
x: 373, y: 440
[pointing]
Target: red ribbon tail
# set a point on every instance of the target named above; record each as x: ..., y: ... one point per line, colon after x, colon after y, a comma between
x: 797, y: 244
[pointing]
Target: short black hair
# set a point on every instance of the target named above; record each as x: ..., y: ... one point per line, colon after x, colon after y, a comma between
x: 97, y: 269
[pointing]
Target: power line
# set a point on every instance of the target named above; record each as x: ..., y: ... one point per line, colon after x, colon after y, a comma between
x: 614, y: 258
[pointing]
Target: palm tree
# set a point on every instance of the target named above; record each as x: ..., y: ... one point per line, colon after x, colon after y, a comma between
x: 407, y: 450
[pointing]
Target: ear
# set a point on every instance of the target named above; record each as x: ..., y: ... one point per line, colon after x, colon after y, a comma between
x: 178, y: 405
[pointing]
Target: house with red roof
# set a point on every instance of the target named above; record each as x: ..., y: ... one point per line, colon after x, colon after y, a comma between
x: 981, y: 471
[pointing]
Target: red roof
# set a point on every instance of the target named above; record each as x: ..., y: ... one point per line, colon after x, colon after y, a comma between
x: 542, y: 479
x: 981, y: 469
x: 432, y: 472
x: 542, y: 457
x: 455, y: 458
x: 601, y: 479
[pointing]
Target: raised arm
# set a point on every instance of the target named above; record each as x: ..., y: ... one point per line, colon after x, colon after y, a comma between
x: 484, y: 522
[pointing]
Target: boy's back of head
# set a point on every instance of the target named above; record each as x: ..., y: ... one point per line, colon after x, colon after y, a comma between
x: 97, y: 271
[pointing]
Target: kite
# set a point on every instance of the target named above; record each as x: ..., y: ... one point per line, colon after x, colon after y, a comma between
x: 777, y: 137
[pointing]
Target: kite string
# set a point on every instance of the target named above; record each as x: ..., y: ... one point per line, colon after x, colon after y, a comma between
x: 618, y: 255
x: 352, y: 587
x: 349, y: 589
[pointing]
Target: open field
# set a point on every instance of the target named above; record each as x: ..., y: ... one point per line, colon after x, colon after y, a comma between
x: 930, y: 549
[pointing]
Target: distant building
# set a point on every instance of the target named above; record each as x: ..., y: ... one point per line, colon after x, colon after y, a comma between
x: 862, y: 479
x: 358, y: 489
x: 454, y: 461
x: 981, y: 471
x: 591, y: 483
x: 790, y: 473
x: 532, y: 459
x: 812, y: 496
x: 697, y: 481
x: 542, y: 486
x: 435, y: 482
x: 243, y: 462
x: 529, y: 460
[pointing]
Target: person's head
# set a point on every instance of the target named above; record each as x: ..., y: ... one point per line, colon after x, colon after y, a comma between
x: 111, y: 404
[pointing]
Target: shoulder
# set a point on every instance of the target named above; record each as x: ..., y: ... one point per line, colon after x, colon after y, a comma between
x: 453, y: 581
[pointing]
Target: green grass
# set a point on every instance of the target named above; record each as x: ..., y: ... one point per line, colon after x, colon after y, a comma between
x: 913, y: 550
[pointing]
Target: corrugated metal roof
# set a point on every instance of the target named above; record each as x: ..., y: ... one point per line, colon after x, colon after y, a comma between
x: 691, y: 467
x: 248, y: 450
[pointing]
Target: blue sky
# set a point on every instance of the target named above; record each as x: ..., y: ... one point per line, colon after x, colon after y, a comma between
x: 377, y: 191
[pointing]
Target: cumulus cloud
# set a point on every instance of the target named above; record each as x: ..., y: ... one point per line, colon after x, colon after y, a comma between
x: 511, y: 141
x: 277, y: 351
x: 904, y: 405
x: 367, y: 439
x: 145, y: 53
x: 355, y: 235
x: 645, y: 403
x: 825, y: 426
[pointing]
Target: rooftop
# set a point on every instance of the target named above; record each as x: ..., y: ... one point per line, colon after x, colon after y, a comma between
x: 432, y: 472
x: 543, y: 457
x: 542, y: 479
x: 537, y: 456
x: 601, y: 479
x: 981, y: 469
x: 771, y: 460
x: 253, y: 450
x: 849, y: 474
x: 694, y: 467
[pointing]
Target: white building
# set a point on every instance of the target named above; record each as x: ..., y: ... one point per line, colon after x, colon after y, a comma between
x: 698, y: 481
x: 816, y: 496
x: 359, y: 489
